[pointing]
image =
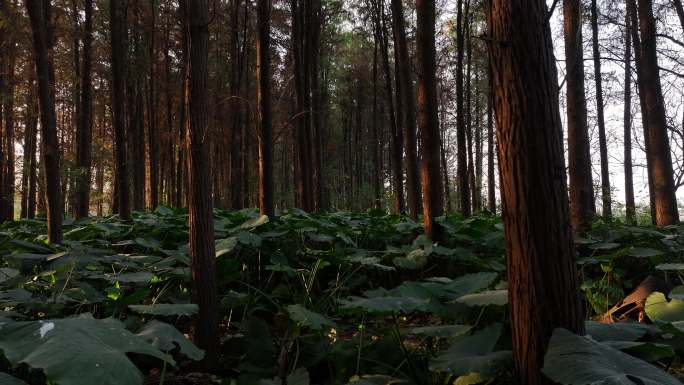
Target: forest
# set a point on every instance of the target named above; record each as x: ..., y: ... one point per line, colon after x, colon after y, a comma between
x: 341, y: 192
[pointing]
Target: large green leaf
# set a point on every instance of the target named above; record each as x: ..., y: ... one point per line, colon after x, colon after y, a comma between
x: 374, y: 380
x: 468, y: 284
x: 658, y: 308
x: 6, y: 379
x: 485, y: 298
x: 474, y: 354
x: 77, y: 351
x: 575, y: 360
x: 165, y: 309
x: 448, y: 331
x: 308, y: 318
x: 166, y: 338
x: 7, y: 273
x: 225, y: 246
x: 386, y: 304
x: 643, y: 252
x: 620, y: 331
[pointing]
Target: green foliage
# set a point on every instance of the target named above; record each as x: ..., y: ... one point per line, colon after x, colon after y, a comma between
x: 576, y: 360
x: 335, y: 298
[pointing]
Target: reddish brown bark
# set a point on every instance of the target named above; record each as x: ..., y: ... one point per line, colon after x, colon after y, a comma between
x: 581, y: 185
x: 202, y: 262
x: 532, y: 169
x: 462, y: 162
x: 428, y: 122
x: 656, y: 125
x: 630, y: 209
x: 407, y: 108
x: 118, y: 10
x: 84, y: 127
x: 603, y: 146
x: 264, y: 123
x: 43, y: 40
x: 636, y: 42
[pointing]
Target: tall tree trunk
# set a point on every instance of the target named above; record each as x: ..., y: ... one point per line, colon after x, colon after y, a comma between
x: 605, y: 174
x: 43, y: 40
x: 264, y: 134
x: 84, y: 128
x: 630, y: 209
x: 581, y: 185
x: 462, y: 163
x: 28, y: 174
x: 183, y: 121
x: 396, y: 132
x: 118, y: 11
x: 202, y: 259
x: 636, y: 42
x: 375, y: 179
x: 152, y: 130
x: 491, y: 176
x: 301, y: 19
x: 407, y: 108
x: 316, y: 113
x: 659, y: 151
x: 535, y: 207
x: 428, y: 121
x: 8, y: 183
x: 237, y: 177
x: 469, y: 109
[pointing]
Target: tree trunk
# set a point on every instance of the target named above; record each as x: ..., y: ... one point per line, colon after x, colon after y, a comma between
x: 265, y: 136
x: 407, y: 108
x: 84, y: 128
x: 118, y: 10
x: 469, y: 110
x: 581, y: 185
x: 636, y: 42
x: 28, y: 174
x: 8, y: 183
x: 428, y: 122
x: 43, y: 41
x: 605, y: 174
x: 491, y: 176
x: 202, y: 259
x: 153, y: 135
x: 630, y: 209
x: 462, y: 165
x: 532, y: 169
x: 659, y: 151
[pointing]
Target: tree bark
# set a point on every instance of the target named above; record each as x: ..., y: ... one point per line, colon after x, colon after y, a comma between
x: 28, y: 173
x: 630, y: 209
x: 153, y: 134
x: 407, y: 108
x: 8, y: 161
x: 84, y: 128
x: 659, y: 151
x: 428, y: 121
x: 491, y: 176
x: 118, y: 10
x: 265, y: 136
x: 581, y: 184
x: 603, y: 147
x: 532, y: 169
x: 636, y: 42
x: 43, y: 40
x: 462, y: 163
x: 201, y: 222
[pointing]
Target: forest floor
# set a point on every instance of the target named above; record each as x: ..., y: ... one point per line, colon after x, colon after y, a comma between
x: 336, y: 298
